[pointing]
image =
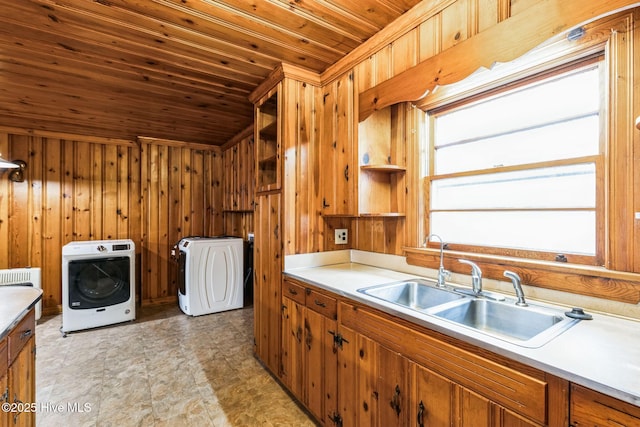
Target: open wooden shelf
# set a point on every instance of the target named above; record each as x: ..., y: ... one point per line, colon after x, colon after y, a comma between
x: 270, y: 131
x: 367, y: 215
x: 384, y: 168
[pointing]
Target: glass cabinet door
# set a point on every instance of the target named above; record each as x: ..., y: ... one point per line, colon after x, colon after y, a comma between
x: 268, y: 143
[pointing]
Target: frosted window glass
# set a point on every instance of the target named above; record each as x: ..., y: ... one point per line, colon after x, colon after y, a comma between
x: 572, y: 186
x: 557, y: 231
x: 548, y: 101
x: 574, y: 138
x: 536, y: 208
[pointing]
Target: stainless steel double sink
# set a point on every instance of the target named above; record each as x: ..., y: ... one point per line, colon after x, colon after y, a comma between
x: 531, y: 326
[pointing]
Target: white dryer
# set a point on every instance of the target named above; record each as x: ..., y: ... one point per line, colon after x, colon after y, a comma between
x: 210, y: 274
x: 98, y: 283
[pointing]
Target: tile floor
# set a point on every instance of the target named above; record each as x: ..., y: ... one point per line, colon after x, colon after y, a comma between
x: 164, y: 369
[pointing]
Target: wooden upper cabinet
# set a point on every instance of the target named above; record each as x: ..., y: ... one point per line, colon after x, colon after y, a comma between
x: 267, y: 141
x: 337, y: 149
x: 362, y: 167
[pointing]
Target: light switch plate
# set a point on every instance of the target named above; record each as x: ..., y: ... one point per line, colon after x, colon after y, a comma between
x: 342, y: 236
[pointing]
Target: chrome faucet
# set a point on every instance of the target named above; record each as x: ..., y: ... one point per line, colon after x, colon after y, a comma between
x: 442, y: 273
x: 476, y: 276
x: 517, y: 285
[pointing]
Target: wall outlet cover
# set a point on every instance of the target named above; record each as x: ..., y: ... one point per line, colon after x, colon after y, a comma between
x: 342, y: 236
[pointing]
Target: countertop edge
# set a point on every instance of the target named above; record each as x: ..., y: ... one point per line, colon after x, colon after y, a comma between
x: 11, y: 313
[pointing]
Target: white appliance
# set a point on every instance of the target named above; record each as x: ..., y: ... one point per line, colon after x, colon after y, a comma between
x: 29, y: 276
x: 98, y: 284
x: 210, y: 274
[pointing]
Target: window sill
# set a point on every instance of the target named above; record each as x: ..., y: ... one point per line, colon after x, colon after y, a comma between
x: 574, y: 278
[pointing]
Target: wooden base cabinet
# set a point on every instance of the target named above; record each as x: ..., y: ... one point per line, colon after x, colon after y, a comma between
x: 353, y: 366
x: 357, y: 380
x: 18, y: 374
x: 592, y: 409
x: 22, y: 385
x: 433, y: 399
x: 309, y: 349
x: 393, y: 388
x: 439, y: 402
x: 4, y: 384
x: 419, y: 378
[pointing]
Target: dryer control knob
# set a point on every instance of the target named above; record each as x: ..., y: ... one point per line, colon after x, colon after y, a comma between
x: 102, y: 248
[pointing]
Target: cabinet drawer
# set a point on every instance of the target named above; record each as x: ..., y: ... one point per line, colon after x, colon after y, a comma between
x: 322, y: 304
x: 590, y: 408
x: 4, y: 359
x: 293, y: 291
x: 19, y: 335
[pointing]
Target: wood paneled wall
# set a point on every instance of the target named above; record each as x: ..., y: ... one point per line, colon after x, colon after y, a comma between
x: 86, y: 188
x: 238, y: 159
x: 73, y: 190
x: 182, y: 196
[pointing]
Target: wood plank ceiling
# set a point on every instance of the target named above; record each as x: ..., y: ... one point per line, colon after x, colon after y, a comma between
x: 171, y: 69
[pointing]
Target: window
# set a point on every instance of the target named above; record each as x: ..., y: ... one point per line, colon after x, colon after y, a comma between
x: 521, y: 172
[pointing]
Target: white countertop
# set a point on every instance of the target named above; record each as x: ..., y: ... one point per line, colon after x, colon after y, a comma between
x: 602, y: 354
x: 15, y: 302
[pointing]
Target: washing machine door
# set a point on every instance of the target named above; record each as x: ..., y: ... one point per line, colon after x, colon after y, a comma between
x: 99, y: 282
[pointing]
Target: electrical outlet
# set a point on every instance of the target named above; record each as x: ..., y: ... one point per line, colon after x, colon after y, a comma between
x: 342, y: 236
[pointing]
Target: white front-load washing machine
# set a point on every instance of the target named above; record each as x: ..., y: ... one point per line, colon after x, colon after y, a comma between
x: 98, y: 283
x: 210, y: 274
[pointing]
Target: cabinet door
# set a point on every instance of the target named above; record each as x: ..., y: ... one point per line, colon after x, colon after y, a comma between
x: 268, y: 270
x: 321, y: 363
x: 267, y: 142
x: 292, y: 369
x: 478, y: 411
x: 507, y: 418
x: 337, y: 149
x: 4, y: 398
x: 393, y: 388
x: 357, y: 379
x: 433, y: 399
x: 22, y: 384
x: 474, y: 410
